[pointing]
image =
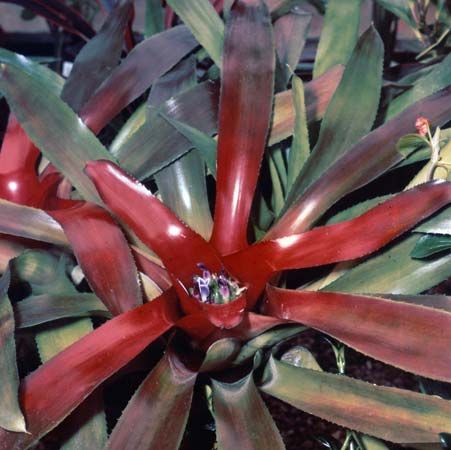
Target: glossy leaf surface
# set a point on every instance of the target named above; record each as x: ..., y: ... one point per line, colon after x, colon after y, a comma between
x: 19, y: 180
x: 11, y: 417
x: 38, y: 309
x: 404, y: 335
x: 158, y: 411
x: 153, y: 222
x: 339, y: 34
x: 244, y: 114
x: 242, y: 419
x: 97, y: 58
x: 370, y: 157
x: 50, y: 393
x: 339, y: 242
x: 146, y: 63
x: 428, y: 245
x: 67, y: 143
x: 389, y: 413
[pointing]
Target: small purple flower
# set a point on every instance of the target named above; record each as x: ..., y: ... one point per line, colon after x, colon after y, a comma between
x: 215, y: 288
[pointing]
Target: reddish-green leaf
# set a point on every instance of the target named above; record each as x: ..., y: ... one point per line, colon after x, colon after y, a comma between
x: 197, y: 107
x: 148, y: 61
x: 369, y: 158
x: 182, y: 184
x: 103, y: 254
x: 30, y: 223
x: 38, y: 309
x: 242, y: 419
x: 290, y: 34
x: 317, y: 97
x: 11, y: 417
x: 97, y: 58
x: 158, y: 412
x: 389, y: 413
x: 339, y: 242
x: 244, y: 114
x: 179, y: 247
x: 412, y: 337
x: 50, y: 393
x: 142, y: 155
x: 9, y: 249
x: 59, y: 13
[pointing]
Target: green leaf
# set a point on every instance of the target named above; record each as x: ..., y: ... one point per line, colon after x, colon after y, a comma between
x: 183, y: 189
x: 339, y: 34
x: 11, y: 417
x: 394, y: 271
x: 388, y: 413
x: 205, y: 144
x: 39, y: 309
x: 300, y: 148
x: 299, y: 356
x: 55, y: 129
x: 400, y: 8
x: 429, y: 245
x: 154, y: 18
x: 133, y: 124
x: 265, y: 341
x: 433, y: 81
x: 350, y: 114
x: 46, y: 274
x: 205, y: 24
x: 182, y: 184
x: 242, y: 419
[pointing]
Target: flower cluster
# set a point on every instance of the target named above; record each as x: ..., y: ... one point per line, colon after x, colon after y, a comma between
x: 215, y: 288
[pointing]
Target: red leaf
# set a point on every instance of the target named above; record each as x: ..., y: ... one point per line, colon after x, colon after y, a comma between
x: 339, y: 242
x: 227, y: 315
x: 50, y: 393
x: 145, y: 64
x: 154, y: 271
x: 179, y: 247
x: 19, y: 182
x: 412, y: 337
x: 103, y: 254
x: 244, y: 115
x: 252, y: 325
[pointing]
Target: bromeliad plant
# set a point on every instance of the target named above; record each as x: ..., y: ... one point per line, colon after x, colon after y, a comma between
x: 213, y: 294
